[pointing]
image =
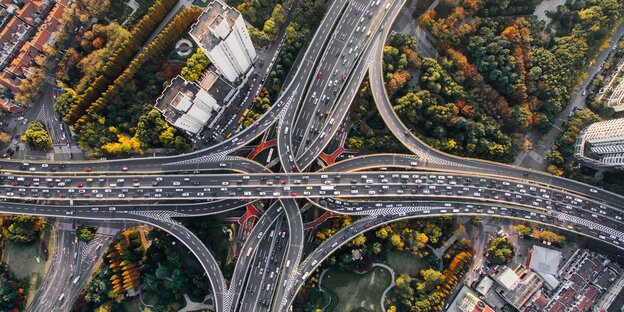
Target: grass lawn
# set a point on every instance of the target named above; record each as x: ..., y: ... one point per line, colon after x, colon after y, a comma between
x: 28, y: 261
x: 356, y: 292
x: 404, y: 262
x: 319, y: 298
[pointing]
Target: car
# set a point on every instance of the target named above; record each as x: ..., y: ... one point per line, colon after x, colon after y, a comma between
x: 319, y: 74
x: 124, y: 168
x: 88, y: 169
x: 293, y: 194
x: 79, y: 184
x: 121, y: 195
x: 593, y: 190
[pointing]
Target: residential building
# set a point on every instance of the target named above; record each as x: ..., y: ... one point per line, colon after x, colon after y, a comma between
x: 602, y: 144
x: 189, y: 106
x: 221, y: 33
x: 20, y: 60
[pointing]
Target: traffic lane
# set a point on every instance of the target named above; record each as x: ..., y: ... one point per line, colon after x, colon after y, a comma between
x: 294, y: 251
x: 249, y: 248
x: 257, y: 274
x: 315, y: 185
x: 555, y: 218
x: 355, y: 45
x: 182, y: 210
x: 340, y: 112
x: 272, y: 270
x: 342, y: 43
x: 288, y: 119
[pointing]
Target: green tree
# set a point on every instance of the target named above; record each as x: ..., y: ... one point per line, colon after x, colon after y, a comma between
x: 24, y: 229
x: 196, y: 66
x: 85, y: 233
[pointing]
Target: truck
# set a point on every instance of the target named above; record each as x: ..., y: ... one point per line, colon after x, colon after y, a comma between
x: 327, y: 187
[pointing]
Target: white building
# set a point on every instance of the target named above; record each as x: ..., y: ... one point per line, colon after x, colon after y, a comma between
x: 602, y: 144
x: 221, y: 32
x: 188, y: 106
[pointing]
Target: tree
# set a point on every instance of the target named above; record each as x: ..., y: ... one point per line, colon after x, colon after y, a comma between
x: 85, y: 233
x: 523, y: 230
x: 196, y: 66
x: 4, y: 138
x: 258, y: 37
x: 359, y: 240
x: 37, y: 135
x: 24, y: 229
x: 431, y: 279
x: 500, y: 251
x: 551, y: 237
x: 397, y: 242
x: 377, y: 248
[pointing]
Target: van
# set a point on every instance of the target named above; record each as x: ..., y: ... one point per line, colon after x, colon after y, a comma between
x: 286, y: 130
x: 351, y: 49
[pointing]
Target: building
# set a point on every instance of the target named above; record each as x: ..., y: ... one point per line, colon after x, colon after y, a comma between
x: 19, y: 47
x: 545, y: 260
x: 602, y: 144
x: 518, y: 288
x: 220, y: 31
x: 189, y: 106
x: 468, y: 301
x: 507, y: 279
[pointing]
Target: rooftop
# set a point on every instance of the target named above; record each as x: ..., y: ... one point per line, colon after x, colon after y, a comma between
x: 174, y: 100
x: 508, y: 278
x: 214, y: 24
x: 545, y: 260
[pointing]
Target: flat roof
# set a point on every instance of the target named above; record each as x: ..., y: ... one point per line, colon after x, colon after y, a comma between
x: 209, y: 20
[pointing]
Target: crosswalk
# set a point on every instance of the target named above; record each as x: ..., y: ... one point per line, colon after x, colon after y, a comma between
x: 203, y: 159
x: 590, y: 224
x: 161, y: 215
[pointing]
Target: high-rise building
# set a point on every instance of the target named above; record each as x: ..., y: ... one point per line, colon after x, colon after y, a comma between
x: 221, y: 32
x: 189, y: 106
x: 602, y: 144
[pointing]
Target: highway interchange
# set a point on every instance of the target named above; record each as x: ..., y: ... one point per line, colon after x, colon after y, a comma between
x: 382, y: 188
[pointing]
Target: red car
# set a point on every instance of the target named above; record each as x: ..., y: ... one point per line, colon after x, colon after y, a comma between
x: 124, y: 168
x: 293, y: 194
x: 283, y: 181
x: 14, y: 183
x: 79, y: 185
x: 319, y: 75
x: 88, y: 169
